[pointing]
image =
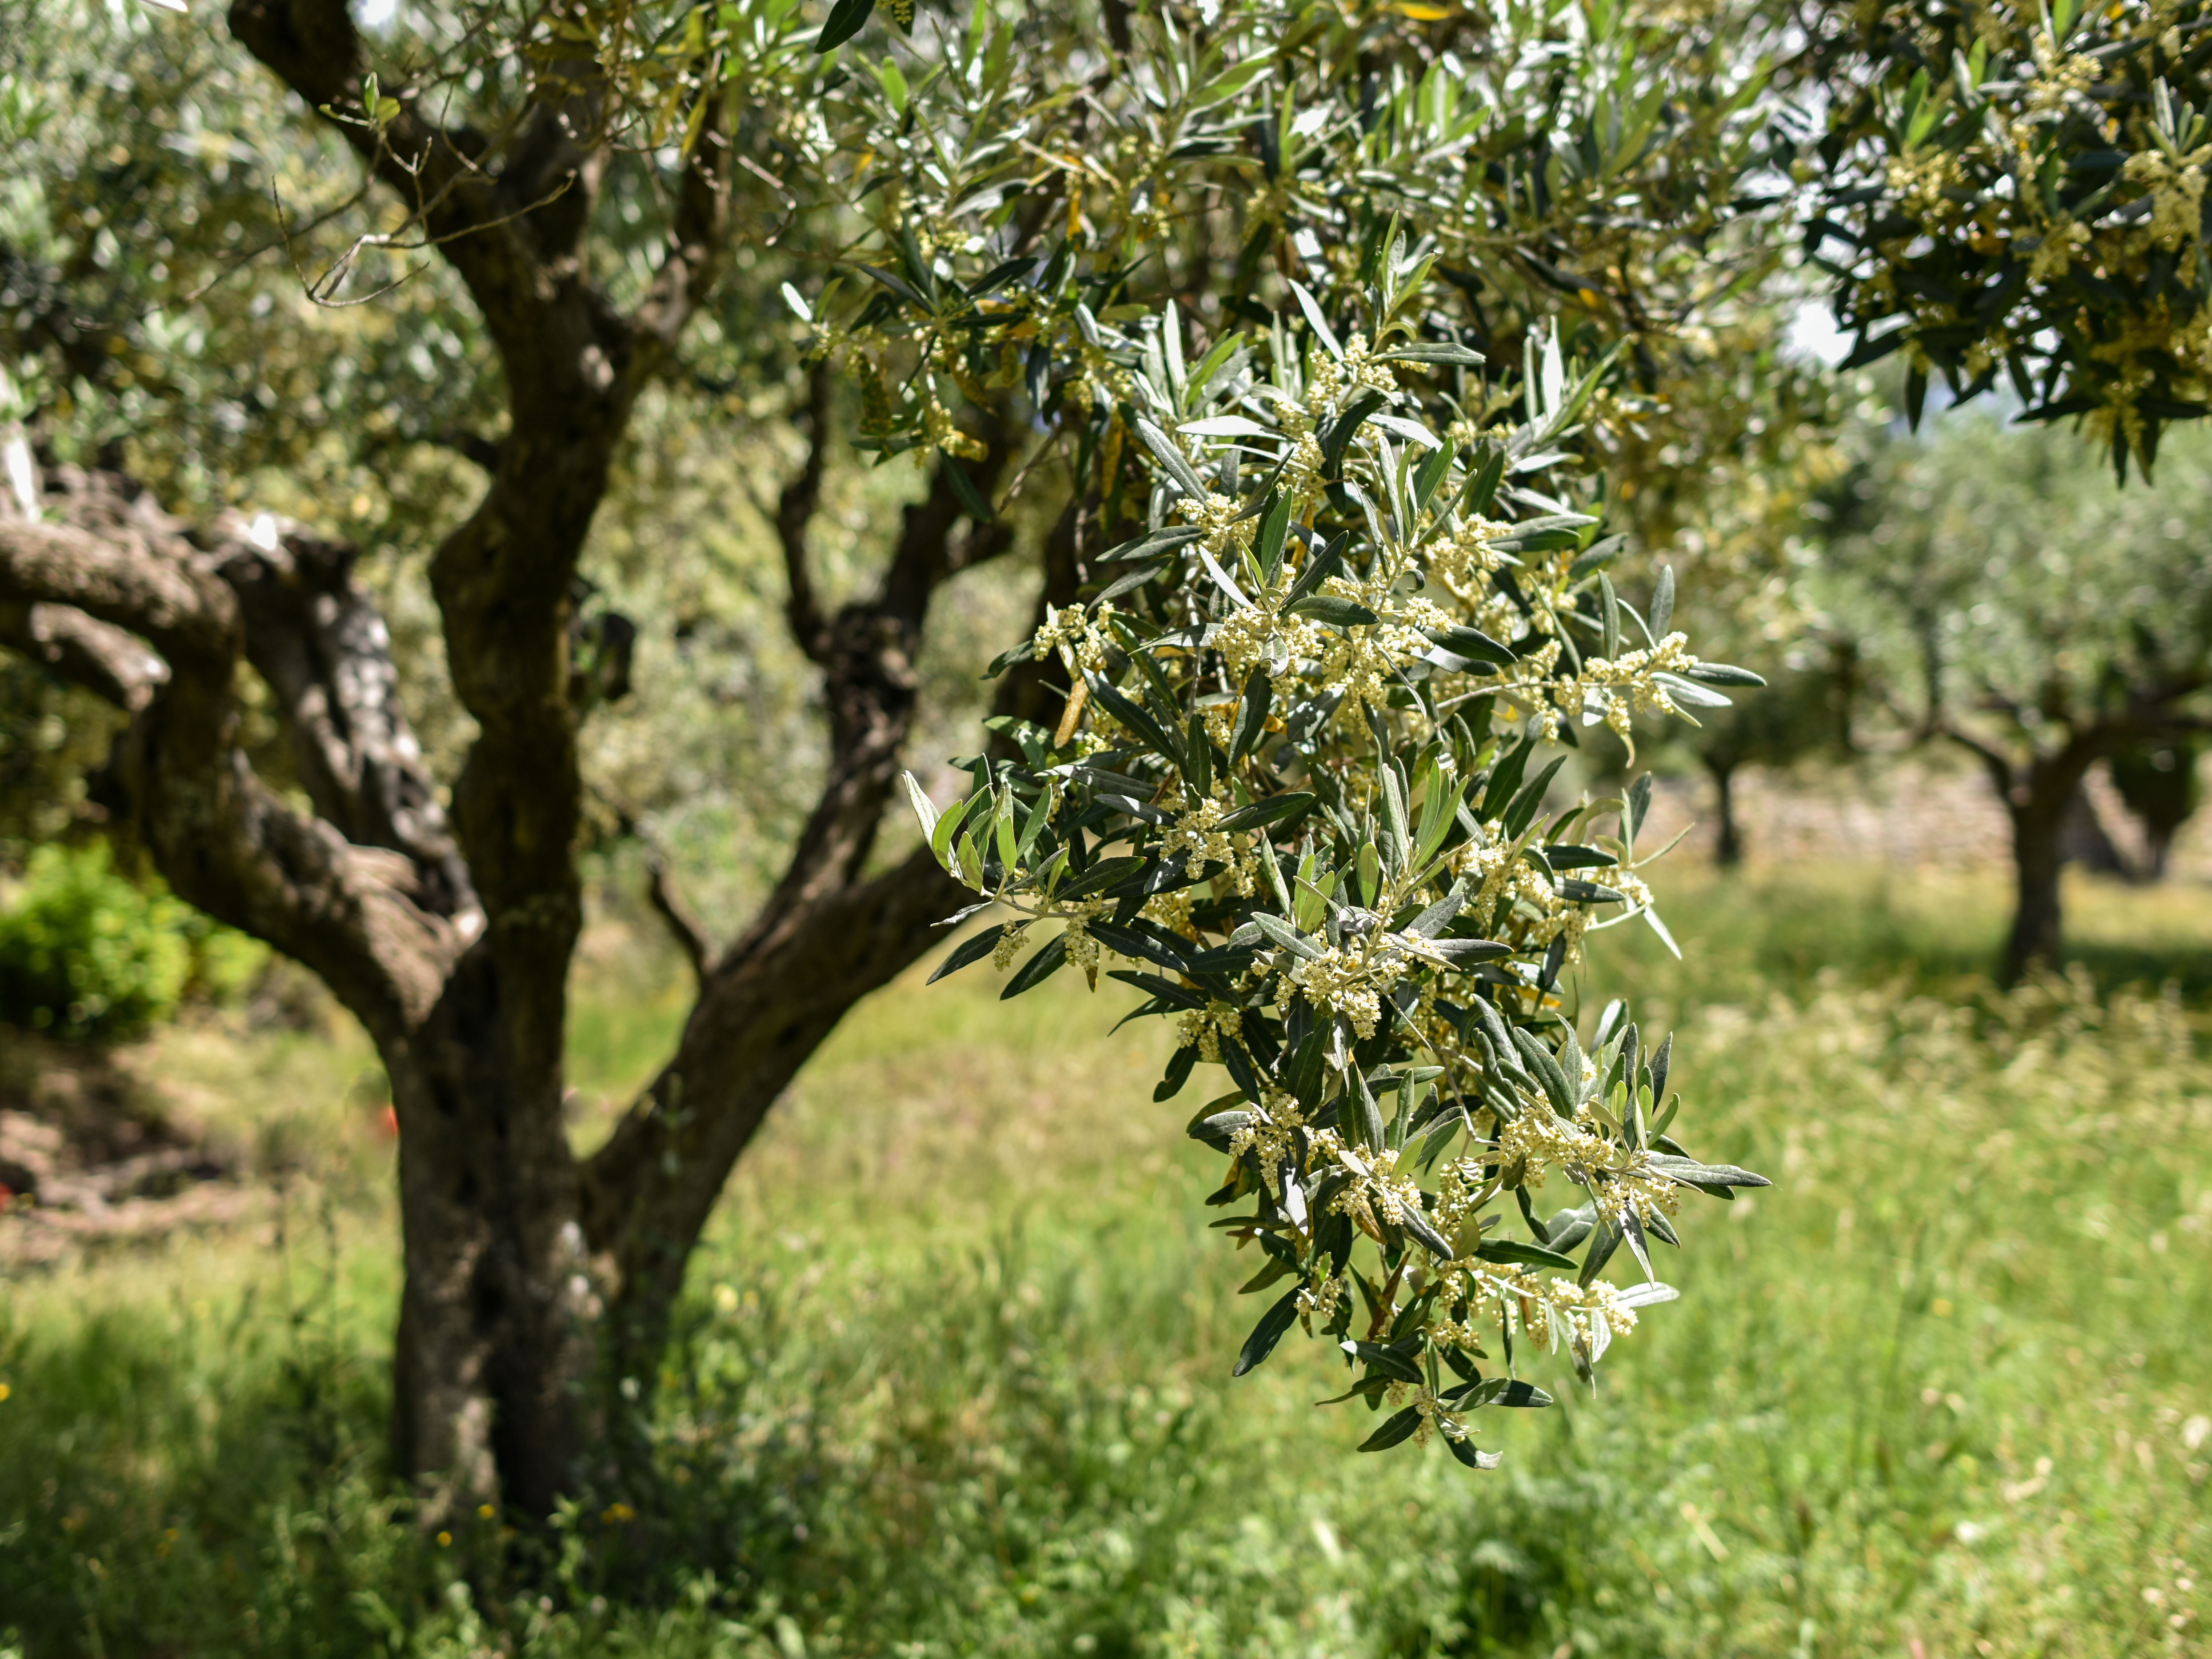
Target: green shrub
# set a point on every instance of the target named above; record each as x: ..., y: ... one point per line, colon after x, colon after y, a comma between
x: 84, y: 953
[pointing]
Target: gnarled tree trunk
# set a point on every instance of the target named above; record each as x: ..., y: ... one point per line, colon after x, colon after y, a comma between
x: 535, y: 1282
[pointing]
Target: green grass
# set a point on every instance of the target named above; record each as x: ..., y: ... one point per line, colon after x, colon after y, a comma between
x: 952, y: 1377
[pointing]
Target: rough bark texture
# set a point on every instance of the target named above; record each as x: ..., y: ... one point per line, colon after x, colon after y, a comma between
x: 534, y: 1281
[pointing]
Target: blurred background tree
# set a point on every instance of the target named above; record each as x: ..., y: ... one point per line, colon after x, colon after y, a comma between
x: 2013, y: 600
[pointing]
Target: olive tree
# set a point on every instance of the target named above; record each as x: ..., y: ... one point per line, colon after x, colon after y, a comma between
x: 2016, y: 192
x: 1022, y: 248
x: 2016, y: 603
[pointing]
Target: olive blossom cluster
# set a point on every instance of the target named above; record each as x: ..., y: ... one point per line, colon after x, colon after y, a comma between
x: 1304, y: 786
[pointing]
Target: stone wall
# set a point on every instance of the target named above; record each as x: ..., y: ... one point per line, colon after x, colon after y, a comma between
x: 1912, y: 812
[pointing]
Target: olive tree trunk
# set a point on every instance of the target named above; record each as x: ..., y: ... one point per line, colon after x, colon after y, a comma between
x: 2041, y: 793
x: 535, y: 1281
x: 2038, y: 857
x: 1728, y: 848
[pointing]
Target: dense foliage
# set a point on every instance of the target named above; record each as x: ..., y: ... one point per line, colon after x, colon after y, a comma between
x: 83, y: 952
x: 2018, y: 190
x: 1314, y: 708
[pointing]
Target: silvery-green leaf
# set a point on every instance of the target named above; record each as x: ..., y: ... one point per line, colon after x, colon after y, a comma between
x: 1425, y: 1234
x: 1433, y: 352
x: 1281, y: 933
x: 1226, y: 426
x: 1438, y: 916
x: 1273, y: 809
x: 1395, y: 1430
x: 1689, y: 691
x: 844, y: 21
x: 1525, y: 1256
x: 1315, y: 320
x: 973, y: 950
x: 1222, y: 581
x: 1709, y: 1175
x: 1464, y: 1451
x: 1412, y: 430
x: 1335, y: 611
x: 924, y: 808
x: 1267, y: 1332
x: 1721, y: 673
x: 1178, y: 466
x: 1050, y: 958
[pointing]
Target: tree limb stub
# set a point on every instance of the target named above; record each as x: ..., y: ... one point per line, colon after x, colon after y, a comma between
x: 682, y: 922
x: 107, y: 660
x: 794, y: 512
x: 106, y: 569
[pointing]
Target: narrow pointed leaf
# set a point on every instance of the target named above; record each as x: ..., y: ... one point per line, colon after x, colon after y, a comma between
x: 1048, y: 960
x: 968, y: 950
x: 1267, y: 1332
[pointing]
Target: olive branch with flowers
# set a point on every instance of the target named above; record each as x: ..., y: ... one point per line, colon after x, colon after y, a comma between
x: 1301, y: 787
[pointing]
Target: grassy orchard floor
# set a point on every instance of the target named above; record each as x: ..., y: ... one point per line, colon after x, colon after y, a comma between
x: 954, y: 1377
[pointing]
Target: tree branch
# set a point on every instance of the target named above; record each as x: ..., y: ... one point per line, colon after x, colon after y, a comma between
x: 1999, y: 764
x: 105, y: 660
x: 176, y: 605
x: 318, y: 641
x: 684, y: 924
x: 224, y: 840
x: 794, y: 512
x: 766, y: 1007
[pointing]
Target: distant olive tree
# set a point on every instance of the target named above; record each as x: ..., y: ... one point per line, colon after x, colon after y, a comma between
x: 2017, y: 603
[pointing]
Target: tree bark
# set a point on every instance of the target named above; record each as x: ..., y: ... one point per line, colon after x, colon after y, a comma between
x: 2036, y: 937
x: 2038, y: 795
x: 1728, y: 849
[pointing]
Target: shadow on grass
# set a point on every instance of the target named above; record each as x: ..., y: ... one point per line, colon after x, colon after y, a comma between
x: 2113, y: 966
x: 1752, y: 934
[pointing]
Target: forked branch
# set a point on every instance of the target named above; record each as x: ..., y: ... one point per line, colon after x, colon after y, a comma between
x: 795, y: 508
x: 105, y: 570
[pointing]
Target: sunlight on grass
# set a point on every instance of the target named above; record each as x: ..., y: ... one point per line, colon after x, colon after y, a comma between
x: 952, y: 1377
